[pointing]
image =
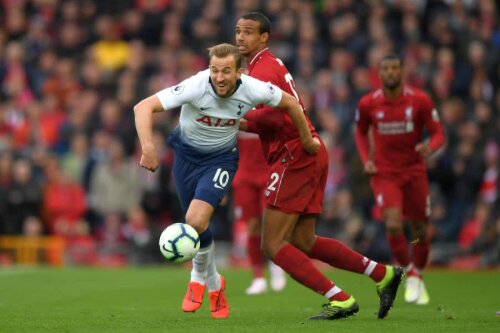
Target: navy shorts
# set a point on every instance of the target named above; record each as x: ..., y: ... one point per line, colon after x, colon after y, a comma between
x: 202, y: 176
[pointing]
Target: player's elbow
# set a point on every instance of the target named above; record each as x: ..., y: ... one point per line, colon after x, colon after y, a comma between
x: 142, y: 108
x: 137, y: 108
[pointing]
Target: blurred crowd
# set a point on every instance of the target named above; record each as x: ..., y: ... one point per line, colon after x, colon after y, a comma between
x: 71, y: 71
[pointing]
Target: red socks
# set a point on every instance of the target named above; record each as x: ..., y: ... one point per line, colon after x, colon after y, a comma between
x: 300, y: 267
x: 255, y: 256
x: 421, y: 254
x: 336, y: 254
x: 399, y: 248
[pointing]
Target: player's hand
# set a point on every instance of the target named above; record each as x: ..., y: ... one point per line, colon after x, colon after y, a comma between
x: 370, y: 168
x: 423, y: 149
x: 149, y: 160
x: 312, y: 146
x: 243, y: 125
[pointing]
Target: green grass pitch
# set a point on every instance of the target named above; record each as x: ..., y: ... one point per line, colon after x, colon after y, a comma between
x: 148, y: 300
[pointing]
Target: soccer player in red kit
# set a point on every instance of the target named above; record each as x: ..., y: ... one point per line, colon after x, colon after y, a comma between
x: 248, y: 192
x: 294, y: 193
x: 397, y: 115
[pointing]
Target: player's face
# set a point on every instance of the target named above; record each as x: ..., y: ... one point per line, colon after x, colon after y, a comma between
x: 391, y: 72
x: 224, y: 75
x: 249, y: 40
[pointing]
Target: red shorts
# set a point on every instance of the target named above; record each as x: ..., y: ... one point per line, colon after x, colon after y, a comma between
x: 297, y: 180
x: 248, y: 200
x: 407, y: 191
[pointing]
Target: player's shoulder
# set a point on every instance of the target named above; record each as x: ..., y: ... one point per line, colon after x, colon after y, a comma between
x: 202, y: 77
x: 268, y: 65
x: 252, y: 87
x: 250, y: 81
x: 270, y: 59
x: 414, y: 92
x: 198, y: 83
x: 372, y: 97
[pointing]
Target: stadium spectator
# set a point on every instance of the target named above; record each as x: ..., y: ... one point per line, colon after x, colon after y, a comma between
x: 114, y: 185
x: 63, y: 199
x: 23, y: 197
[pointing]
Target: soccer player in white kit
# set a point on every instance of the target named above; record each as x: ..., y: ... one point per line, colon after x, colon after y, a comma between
x: 213, y: 102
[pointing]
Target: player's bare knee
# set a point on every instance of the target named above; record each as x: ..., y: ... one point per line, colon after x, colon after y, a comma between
x: 269, y: 248
x: 304, y: 244
x: 253, y: 227
x: 420, y: 232
x: 393, y: 229
x: 197, y: 223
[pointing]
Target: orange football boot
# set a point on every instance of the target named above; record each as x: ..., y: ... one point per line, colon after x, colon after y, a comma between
x: 194, y: 297
x: 218, y: 301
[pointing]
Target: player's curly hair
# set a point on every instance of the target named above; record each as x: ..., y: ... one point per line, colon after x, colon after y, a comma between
x: 223, y: 50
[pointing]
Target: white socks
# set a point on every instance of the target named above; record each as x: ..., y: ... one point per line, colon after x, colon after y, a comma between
x: 200, y: 264
x: 204, y: 270
x: 213, y: 278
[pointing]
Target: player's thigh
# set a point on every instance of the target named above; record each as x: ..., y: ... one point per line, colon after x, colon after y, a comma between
x: 387, y: 191
x: 277, y: 228
x: 248, y: 201
x: 186, y: 176
x: 416, y: 199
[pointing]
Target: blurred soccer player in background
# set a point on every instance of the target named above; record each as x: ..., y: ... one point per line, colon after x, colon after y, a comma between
x: 397, y: 115
x: 248, y: 191
x: 213, y: 102
x: 294, y: 193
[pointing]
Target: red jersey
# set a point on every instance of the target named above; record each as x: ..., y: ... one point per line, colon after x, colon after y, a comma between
x: 274, y: 125
x: 397, y: 128
x: 252, y: 167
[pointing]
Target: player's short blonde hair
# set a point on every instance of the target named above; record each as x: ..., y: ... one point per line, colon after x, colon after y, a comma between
x: 223, y: 50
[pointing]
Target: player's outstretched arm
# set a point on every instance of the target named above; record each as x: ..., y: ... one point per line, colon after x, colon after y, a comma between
x: 309, y: 143
x: 143, y: 112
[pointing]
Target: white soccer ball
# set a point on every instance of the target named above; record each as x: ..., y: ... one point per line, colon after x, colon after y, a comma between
x: 179, y: 242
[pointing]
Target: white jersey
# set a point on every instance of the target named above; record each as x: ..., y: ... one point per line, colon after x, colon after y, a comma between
x: 209, y: 122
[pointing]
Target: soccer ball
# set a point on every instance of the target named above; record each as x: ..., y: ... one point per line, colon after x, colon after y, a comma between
x: 179, y: 242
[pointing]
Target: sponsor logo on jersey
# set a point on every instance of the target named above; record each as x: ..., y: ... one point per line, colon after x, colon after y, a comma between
x: 177, y: 90
x: 216, y: 122
x: 392, y: 127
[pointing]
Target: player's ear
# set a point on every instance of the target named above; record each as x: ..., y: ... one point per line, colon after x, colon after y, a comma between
x: 264, y: 37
